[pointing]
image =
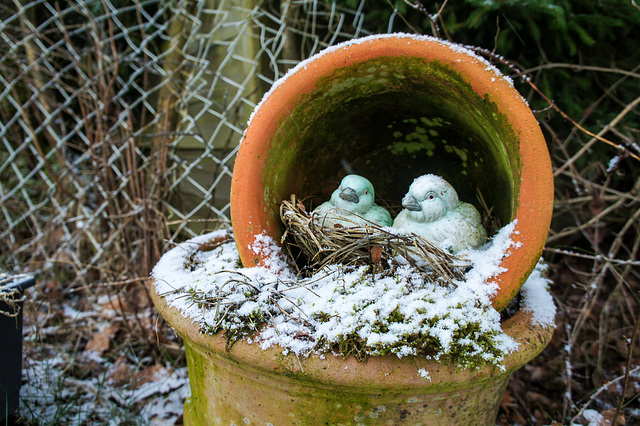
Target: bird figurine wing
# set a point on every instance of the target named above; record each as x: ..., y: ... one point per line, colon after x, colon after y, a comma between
x: 379, y: 215
x: 464, y: 229
x: 352, y: 204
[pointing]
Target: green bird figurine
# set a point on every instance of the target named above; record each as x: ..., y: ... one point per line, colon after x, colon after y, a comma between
x: 352, y: 204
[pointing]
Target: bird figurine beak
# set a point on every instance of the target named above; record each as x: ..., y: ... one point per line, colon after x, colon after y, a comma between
x: 410, y: 203
x: 349, y: 194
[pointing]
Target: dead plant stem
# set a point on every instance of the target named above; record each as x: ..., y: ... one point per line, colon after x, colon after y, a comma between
x: 631, y: 346
x: 629, y: 107
x: 580, y: 67
x: 599, y: 391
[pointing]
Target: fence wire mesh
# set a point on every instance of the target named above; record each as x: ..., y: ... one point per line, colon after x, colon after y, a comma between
x: 120, y: 120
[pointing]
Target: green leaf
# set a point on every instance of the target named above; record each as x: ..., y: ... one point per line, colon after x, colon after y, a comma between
x: 582, y: 33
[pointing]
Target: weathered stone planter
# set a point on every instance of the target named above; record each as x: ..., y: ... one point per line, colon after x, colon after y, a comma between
x: 395, y: 107
x: 248, y: 385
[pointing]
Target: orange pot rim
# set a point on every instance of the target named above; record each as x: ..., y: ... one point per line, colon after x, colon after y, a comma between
x: 249, y: 211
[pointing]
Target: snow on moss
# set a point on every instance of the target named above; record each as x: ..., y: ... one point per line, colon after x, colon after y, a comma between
x: 346, y: 310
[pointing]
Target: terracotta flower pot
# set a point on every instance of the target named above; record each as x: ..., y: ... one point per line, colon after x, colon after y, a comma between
x: 395, y: 107
x: 248, y: 385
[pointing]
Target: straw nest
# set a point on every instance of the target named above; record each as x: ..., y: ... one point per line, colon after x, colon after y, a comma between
x: 313, y: 245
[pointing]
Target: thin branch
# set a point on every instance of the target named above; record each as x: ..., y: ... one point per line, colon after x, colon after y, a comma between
x: 592, y: 257
x: 576, y: 67
x: 600, y: 390
x: 564, y: 115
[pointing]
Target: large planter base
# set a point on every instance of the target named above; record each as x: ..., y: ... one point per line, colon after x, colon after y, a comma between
x: 248, y: 385
x: 228, y: 392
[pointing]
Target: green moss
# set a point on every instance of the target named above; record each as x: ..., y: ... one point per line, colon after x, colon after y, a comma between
x: 470, y: 348
x: 199, y: 394
x: 401, y: 106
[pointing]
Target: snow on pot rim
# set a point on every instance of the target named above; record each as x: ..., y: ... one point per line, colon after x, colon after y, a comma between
x: 302, y: 130
x: 184, y: 270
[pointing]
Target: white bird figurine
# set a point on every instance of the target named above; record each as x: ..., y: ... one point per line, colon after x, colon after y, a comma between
x: 352, y: 204
x: 432, y: 210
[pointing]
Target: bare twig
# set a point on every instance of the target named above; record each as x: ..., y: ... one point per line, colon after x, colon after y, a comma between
x: 595, y: 136
x: 581, y: 67
x: 592, y: 257
x: 627, y: 372
x: 600, y: 390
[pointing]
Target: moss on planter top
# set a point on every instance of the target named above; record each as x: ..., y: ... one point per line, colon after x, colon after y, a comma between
x: 340, y: 309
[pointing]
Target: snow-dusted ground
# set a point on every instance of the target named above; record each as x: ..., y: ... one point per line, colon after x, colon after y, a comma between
x: 82, y: 367
x: 50, y: 396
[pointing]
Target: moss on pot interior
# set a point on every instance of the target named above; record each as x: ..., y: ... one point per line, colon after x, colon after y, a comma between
x: 356, y: 115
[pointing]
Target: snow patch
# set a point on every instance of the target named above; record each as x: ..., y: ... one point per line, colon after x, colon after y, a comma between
x: 424, y: 374
x: 537, y: 298
x: 593, y: 417
x: 340, y: 303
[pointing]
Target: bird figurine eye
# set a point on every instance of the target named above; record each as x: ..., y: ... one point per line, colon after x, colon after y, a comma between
x: 366, y: 191
x: 431, y: 196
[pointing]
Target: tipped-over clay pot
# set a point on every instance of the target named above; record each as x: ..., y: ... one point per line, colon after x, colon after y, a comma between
x: 395, y: 107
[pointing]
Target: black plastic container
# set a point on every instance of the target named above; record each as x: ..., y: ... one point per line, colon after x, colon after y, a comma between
x: 11, y: 291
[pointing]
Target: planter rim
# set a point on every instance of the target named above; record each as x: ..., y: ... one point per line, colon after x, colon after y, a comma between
x: 386, y: 372
x: 249, y: 210
x: 19, y: 282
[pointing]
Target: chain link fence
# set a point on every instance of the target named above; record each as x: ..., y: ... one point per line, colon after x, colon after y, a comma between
x: 120, y: 120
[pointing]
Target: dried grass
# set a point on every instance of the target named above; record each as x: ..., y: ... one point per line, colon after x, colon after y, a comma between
x: 322, y: 245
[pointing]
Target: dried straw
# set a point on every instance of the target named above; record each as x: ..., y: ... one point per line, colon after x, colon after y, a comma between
x: 357, y: 245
